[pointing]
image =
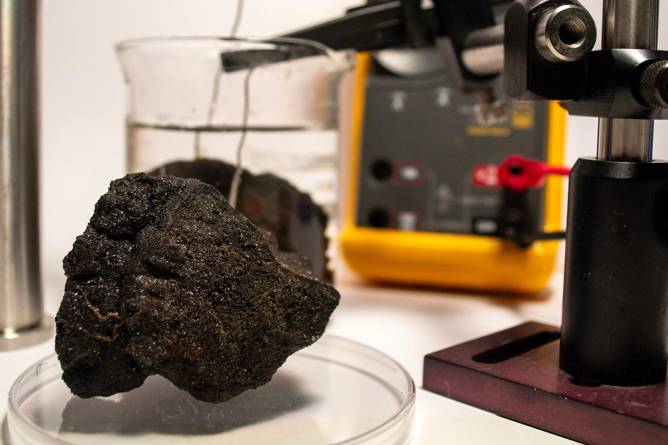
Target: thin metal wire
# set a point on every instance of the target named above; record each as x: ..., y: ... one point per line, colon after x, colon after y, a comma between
x: 213, y: 104
x: 215, y: 89
x: 238, y: 170
x: 236, y: 179
x: 237, y: 18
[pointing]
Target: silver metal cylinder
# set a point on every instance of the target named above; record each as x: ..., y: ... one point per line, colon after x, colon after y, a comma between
x: 21, y: 311
x: 625, y: 139
x: 628, y: 24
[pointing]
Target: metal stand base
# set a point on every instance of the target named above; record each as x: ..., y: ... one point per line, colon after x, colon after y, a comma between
x: 11, y: 340
x: 515, y: 374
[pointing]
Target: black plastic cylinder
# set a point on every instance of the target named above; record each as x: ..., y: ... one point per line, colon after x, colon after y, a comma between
x: 614, y: 323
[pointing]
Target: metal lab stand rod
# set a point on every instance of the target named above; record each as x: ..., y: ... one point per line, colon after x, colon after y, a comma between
x: 22, y: 320
x: 628, y: 24
x: 614, y: 324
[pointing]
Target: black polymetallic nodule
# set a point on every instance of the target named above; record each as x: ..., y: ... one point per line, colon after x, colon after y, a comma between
x: 169, y: 279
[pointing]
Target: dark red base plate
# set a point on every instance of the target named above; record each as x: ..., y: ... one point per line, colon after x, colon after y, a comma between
x: 515, y: 374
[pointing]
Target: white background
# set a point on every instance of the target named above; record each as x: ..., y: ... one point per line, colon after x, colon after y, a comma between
x: 83, y: 95
x: 83, y: 149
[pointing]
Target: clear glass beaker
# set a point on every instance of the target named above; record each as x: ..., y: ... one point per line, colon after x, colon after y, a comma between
x: 200, y: 100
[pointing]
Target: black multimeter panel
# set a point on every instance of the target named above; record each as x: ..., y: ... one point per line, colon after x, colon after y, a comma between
x: 420, y: 143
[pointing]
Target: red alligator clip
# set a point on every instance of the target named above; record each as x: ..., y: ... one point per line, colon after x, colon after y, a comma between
x: 516, y: 173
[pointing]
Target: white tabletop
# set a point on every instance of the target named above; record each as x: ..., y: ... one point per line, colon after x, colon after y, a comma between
x: 406, y: 324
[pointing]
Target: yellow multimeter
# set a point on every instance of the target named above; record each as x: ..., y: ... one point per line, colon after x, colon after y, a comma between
x: 413, y: 213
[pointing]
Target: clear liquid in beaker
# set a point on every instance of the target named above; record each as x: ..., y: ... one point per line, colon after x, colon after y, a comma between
x: 306, y: 158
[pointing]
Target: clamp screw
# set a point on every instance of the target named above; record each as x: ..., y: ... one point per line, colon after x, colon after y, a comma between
x: 565, y: 34
x: 654, y: 84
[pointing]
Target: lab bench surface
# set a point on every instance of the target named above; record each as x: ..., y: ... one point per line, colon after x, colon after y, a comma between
x: 406, y: 324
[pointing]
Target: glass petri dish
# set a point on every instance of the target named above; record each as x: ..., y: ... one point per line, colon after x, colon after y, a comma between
x: 334, y: 392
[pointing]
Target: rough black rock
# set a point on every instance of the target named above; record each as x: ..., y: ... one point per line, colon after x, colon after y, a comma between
x: 269, y: 202
x: 169, y: 279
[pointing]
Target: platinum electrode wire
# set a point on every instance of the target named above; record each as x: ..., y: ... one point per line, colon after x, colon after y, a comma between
x: 213, y: 103
x: 236, y: 179
x: 237, y: 18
